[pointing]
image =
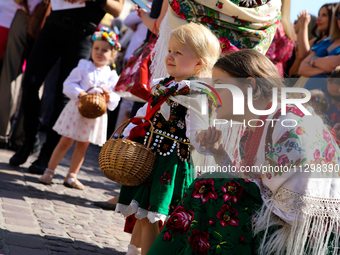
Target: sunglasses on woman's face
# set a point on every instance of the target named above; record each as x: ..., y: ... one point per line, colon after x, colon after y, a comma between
x: 337, y: 15
x: 336, y: 98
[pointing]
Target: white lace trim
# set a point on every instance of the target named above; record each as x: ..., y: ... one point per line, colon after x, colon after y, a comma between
x: 313, y: 220
x: 291, y: 201
x: 140, y: 213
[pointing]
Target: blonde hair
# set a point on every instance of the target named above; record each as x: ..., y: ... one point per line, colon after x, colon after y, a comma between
x: 202, y: 41
x: 285, y: 20
x: 335, y: 30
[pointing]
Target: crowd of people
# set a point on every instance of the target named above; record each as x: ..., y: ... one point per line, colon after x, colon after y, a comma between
x: 197, y: 46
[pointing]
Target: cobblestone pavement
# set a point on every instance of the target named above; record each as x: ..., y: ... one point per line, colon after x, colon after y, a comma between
x: 37, y: 219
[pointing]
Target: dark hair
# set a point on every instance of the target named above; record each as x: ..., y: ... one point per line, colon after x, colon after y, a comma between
x: 334, y: 77
x: 330, y: 10
x: 251, y: 63
x: 311, y: 26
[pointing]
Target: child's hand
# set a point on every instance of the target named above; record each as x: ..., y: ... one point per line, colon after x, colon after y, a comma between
x: 81, y: 94
x: 142, y: 13
x: 107, y: 94
x: 211, y: 140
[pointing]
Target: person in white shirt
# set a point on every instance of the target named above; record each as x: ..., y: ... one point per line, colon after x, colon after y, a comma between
x: 93, y: 78
x: 134, y: 22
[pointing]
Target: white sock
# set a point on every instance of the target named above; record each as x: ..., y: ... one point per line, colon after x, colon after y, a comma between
x: 133, y: 250
x: 51, y: 172
x: 71, y: 179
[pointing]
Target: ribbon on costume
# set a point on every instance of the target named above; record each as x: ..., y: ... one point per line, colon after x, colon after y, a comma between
x: 141, y: 128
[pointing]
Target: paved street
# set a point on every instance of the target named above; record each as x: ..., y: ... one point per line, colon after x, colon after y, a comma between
x: 42, y: 220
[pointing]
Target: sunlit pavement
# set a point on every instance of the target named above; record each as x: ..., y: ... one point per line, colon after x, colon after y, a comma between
x: 42, y: 219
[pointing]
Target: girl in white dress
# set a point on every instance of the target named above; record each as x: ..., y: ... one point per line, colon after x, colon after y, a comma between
x: 71, y: 125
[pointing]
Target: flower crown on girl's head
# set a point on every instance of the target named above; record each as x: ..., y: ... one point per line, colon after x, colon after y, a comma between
x: 106, y: 35
x: 316, y: 99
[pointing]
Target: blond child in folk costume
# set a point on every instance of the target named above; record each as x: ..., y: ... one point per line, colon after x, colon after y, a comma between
x: 192, y: 51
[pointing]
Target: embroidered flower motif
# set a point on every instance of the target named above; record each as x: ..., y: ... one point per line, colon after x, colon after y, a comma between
x: 180, y: 220
x: 329, y: 152
x: 172, y: 117
x: 226, y: 45
x: 227, y: 216
x: 183, y: 152
x: 185, y: 90
x: 199, y: 242
x: 165, y: 178
x: 176, y: 6
x: 327, y: 136
x: 165, y: 146
x: 159, y: 125
x: 241, y: 239
x: 278, y: 149
x: 283, y: 160
x: 300, y: 130
x: 173, y: 206
x: 172, y: 130
x: 316, y: 155
x: 208, y: 20
x: 212, y: 221
x: 219, y: 5
x: 167, y: 236
x: 204, y: 190
x: 233, y: 191
x: 181, y: 124
x: 241, y: 21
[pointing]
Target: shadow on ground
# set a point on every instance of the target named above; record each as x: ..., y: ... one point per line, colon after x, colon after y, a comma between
x: 28, y: 244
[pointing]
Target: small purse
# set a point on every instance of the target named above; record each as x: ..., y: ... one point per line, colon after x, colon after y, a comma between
x: 36, y: 21
x: 92, y: 106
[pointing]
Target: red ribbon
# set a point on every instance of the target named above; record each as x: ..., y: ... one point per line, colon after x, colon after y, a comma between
x: 140, y: 129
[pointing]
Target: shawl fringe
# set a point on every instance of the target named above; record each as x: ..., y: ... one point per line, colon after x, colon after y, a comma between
x: 314, y: 230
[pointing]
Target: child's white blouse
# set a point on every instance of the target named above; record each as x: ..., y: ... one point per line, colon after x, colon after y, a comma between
x: 87, y: 75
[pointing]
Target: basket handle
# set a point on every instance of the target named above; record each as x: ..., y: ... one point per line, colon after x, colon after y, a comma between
x: 93, y: 88
x: 127, y: 122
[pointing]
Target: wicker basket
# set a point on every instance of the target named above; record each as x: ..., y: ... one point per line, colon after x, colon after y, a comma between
x: 126, y: 162
x: 92, y: 105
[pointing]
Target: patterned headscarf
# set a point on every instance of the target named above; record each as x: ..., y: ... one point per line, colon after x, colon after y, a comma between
x: 108, y: 36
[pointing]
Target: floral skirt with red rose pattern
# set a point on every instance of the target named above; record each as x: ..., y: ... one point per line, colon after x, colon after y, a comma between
x: 159, y: 195
x: 214, y: 217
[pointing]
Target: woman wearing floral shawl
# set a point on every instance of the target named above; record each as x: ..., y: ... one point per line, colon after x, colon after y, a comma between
x: 238, y: 24
x: 277, y: 212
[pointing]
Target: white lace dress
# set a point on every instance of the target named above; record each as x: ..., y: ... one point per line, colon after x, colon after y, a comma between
x: 73, y: 125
